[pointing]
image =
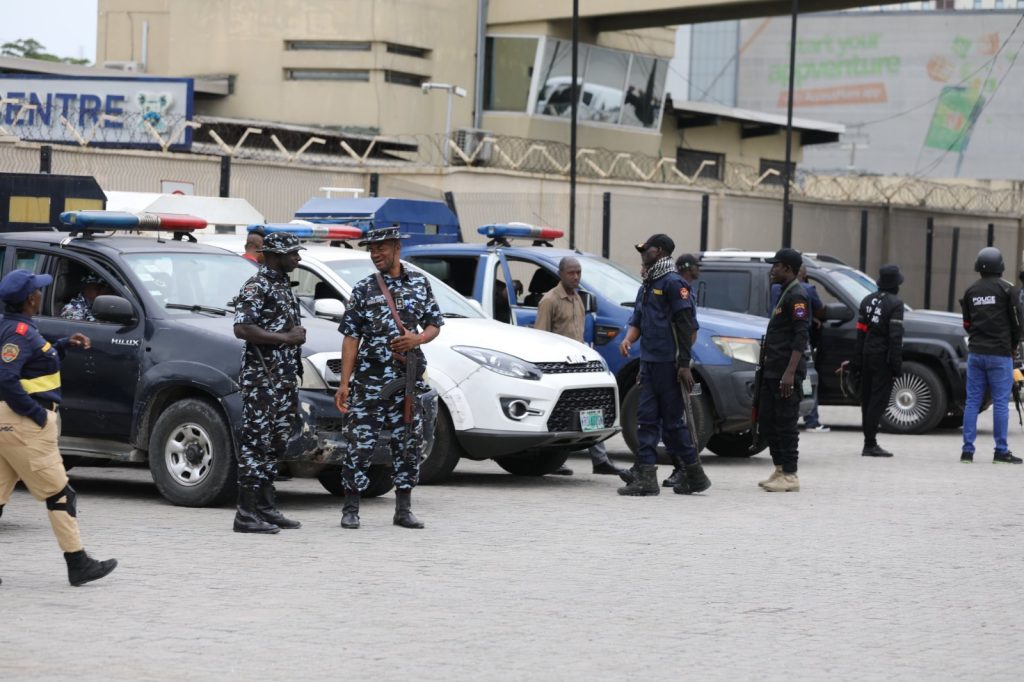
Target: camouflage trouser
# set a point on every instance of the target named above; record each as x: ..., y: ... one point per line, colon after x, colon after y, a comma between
x: 269, y: 417
x: 369, y: 419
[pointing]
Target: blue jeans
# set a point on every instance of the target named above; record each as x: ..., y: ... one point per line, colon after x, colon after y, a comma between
x: 994, y: 372
x: 811, y: 419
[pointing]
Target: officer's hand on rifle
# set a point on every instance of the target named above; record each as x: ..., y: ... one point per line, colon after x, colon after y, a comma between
x: 685, y: 375
x: 341, y: 398
x: 296, y: 336
x: 406, y: 342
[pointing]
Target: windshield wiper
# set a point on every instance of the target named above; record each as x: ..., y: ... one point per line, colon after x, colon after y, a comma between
x: 452, y: 315
x: 196, y: 308
x: 628, y: 304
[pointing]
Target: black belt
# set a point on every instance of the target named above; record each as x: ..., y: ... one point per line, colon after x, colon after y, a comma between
x: 47, y: 404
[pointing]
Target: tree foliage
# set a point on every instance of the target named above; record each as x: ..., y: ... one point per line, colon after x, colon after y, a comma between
x: 30, y: 48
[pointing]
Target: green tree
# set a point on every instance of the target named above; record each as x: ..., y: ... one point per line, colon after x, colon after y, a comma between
x: 30, y: 48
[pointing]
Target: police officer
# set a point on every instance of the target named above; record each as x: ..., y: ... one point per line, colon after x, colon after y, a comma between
x: 376, y: 351
x: 267, y: 319
x: 878, y: 353
x: 992, y: 321
x: 29, y: 424
x: 664, y: 319
x: 783, y: 371
x: 80, y: 307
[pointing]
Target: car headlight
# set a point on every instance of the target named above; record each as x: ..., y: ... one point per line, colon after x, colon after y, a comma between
x: 311, y: 378
x: 738, y: 348
x: 501, y: 363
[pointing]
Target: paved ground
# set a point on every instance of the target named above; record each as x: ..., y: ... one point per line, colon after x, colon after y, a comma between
x: 879, y: 569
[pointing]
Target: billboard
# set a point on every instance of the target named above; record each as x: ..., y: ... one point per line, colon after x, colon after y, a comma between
x: 924, y: 93
x: 100, y: 111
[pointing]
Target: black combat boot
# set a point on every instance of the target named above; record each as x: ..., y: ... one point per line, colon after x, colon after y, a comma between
x: 247, y: 518
x: 403, y: 510
x: 268, y: 510
x: 83, y: 569
x: 677, y: 474
x: 350, y: 510
x: 628, y: 475
x: 645, y: 483
x: 694, y: 480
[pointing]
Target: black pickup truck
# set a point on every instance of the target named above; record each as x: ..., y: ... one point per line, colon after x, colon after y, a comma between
x: 159, y: 385
x: 934, y: 347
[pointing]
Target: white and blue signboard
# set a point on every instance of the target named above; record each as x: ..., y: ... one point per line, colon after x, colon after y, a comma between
x: 99, y: 111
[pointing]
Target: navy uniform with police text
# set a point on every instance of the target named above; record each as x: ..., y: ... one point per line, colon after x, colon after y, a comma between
x: 30, y: 388
x: 269, y: 379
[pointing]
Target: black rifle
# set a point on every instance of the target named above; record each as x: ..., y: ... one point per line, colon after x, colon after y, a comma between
x: 755, y: 408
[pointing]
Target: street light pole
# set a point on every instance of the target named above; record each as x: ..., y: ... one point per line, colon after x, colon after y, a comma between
x: 574, y: 112
x: 787, y: 174
x: 453, y: 91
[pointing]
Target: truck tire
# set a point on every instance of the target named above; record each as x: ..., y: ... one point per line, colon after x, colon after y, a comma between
x: 535, y: 464
x: 446, y: 452
x: 918, y: 401
x: 734, y: 444
x: 191, y: 456
x: 381, y: 481
x: 701, y: 413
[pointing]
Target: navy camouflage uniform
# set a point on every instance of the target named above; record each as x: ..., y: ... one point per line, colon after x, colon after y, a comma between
x: 269, y: 378
x: 79, y: 308
x: 368, y: 319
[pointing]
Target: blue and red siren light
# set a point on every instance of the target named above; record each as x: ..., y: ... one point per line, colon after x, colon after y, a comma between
x: 123, y: 220
x: 519, y: 231
x: 306, y: 230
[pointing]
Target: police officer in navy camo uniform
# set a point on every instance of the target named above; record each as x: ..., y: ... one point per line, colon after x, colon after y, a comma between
x: 267, y: 319
x: 80, y: 307
x: 371, y: 357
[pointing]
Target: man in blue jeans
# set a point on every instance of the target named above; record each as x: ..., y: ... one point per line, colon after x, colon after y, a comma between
x: 992, y: 321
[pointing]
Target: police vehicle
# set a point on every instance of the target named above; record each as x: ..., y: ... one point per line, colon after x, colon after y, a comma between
x: 522, y: 397
x: 934, y: 343
x: 160, y: 383
x: 509, y: 279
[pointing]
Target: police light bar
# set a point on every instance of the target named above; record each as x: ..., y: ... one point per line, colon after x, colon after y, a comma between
x: 518, y: 231
x: 123, y: 220
x: 311, y: 231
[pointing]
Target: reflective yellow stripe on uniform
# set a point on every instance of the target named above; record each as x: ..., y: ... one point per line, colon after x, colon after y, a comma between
x: 41, y: 384
x: 46, y: 346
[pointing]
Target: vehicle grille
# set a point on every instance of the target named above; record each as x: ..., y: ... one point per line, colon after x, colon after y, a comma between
x: 570, y: 368
x: 334, y: 365
x: 566, y: 417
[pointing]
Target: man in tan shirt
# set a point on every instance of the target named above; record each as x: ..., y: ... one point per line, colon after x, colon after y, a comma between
x: 561, y: 312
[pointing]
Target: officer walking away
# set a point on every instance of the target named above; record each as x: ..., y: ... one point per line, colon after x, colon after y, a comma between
x: 992, y: 321
x: 878, y: 354
x: 267, y: 319
x: 382, y: 345
x: 561, y: 312
x: 663, y: 317
x: 29, y: 424
x: 80, y: 307
x: 783, y: 371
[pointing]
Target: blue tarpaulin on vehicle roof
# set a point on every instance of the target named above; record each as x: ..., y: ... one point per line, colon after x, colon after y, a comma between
x: 426, y: 222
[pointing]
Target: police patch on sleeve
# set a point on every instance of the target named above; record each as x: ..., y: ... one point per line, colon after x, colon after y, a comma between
x: 684, y: 293
x: 799, y: 310
x: 10, y: 352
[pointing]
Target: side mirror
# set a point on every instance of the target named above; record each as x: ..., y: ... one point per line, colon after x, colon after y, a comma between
x: 589, y: 301
x: 330, y: 308
x: 839, y: 312
x: 110, y: 308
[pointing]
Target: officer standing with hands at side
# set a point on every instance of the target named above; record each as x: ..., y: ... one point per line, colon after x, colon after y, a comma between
x: 992, y: 320
x: 377, y: 350
x: 783, y: 371
x: 878, y: 354
x: 267, y: 319
x: 664, y: 319
x: 29, y: 423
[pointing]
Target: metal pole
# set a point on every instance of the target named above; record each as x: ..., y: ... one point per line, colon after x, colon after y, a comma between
x: 574, y: 90
x: 374, y: 184
x: 606, y: 224
x: 991, y: 234
x: 952, y: 269
x: 46, y: 159
x: 448, y: 124
x: 481, y: 54
x: 929, y: 237
x: 787, y: 208
x: 705, y: 205
x: 225, y: 176
x: 863, y: 241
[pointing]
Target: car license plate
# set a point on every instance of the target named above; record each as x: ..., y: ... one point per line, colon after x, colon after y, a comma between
x: 807, y: 388
x: 591, y: 420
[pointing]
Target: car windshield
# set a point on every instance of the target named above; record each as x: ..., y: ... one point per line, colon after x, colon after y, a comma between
x: 189, y: 282
x: 609, y: 280
x: 452, y: 304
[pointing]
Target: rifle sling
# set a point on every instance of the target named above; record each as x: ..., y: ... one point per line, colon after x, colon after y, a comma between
x: 394, y: 311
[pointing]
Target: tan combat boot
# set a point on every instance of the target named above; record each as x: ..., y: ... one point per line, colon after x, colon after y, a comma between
x: 775, y: 474
x: 786, y: 483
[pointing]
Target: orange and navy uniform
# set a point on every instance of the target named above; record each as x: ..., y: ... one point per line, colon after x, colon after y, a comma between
x: 29, y: 368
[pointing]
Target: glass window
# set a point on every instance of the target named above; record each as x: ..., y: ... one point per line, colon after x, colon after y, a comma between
x: 603, y: 85
x: 179, y: 281
x: 408, y: 50
x: 709, y: 164
x: 508, y: 71
x: 555, y: 96
x: 346, y: 45
x: 724, y: 290
x: 645, y: 92
x: 403, y: 78
x: 609, y: 280
x: 326, y: 75
x: 452, y: 304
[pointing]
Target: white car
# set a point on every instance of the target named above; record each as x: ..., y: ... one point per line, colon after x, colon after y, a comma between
x: 523, y: 397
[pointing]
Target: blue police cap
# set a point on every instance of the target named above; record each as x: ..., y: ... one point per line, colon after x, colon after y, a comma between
x: 383, y: 234
x: 18, y: 284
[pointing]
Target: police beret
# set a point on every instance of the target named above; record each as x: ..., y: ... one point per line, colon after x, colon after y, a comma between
x: 383, y: 234
x: 281, y: 242
x: 662, y: 241
x: 18, y: 284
